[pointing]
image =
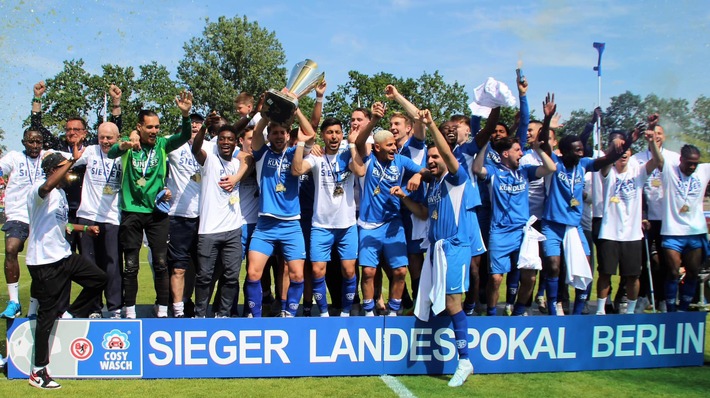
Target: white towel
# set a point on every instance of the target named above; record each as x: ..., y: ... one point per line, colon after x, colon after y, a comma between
x: 579, y: 275
x: 432, y: 284
x: 489, y: 95
x: 529, y: 257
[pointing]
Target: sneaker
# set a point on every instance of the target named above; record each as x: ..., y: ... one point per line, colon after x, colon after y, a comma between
x: 116, y: 314
x: 42, y: 379
x: 285, y: 314
x: 560, y: 311
x: 641, y: 305
x: 392, y: 313
x: 509, y: 309
x: 541, y: 302
x: 464, y: 370
x: 250, y: 315
x: 13, y: 310
x: 96, y: 315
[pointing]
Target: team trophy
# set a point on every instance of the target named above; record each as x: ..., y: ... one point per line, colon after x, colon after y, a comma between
x: 304, y: 78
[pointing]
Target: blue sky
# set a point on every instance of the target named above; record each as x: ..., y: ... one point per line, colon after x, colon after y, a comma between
x: 660, y: 47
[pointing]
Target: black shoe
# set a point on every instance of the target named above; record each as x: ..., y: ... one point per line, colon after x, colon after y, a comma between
x: 42, y: 379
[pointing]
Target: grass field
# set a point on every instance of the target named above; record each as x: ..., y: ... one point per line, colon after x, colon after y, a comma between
x: 684, y: 382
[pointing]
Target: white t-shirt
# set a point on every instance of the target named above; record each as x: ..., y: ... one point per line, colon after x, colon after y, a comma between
x: 587, y: 202
x: 102, y: 182
x: 219, y: 210
x: 681, y: 190
x: 249, y: 197
x: 48, y: 217
x: 329, y: 210
x: 653, y: 190
x: 21, y: 173
x: 536, y: 187
x: 183, y: 182
x: 623, y: 194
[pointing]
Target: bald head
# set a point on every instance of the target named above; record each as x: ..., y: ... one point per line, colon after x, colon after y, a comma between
x: 108, y: 135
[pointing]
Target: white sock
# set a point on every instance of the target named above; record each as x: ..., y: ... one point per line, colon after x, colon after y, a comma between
x: 67, y: 315
x: 344, y: 314
x: 13, y: 290
x: 324, y: 314
x: 34, y: 304
x: 162, y: 310
x: 179, y: 308
x: 131, y: 312
x: 369, y: 313
x: 631, y: 306
x: 601, y: 302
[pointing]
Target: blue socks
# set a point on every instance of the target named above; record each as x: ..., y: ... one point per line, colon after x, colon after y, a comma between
x: 320, y: 294
x: 395, y: 304
x: 349, y: 289
x: 368, y: 304
x: 687, y: 292
x: 512, y: 281
x: 671, y: 294
x: 580, y: 298
x: 293, y: 297
x: 252, y: 291
x: 551, y: 290
x: 460, y: 333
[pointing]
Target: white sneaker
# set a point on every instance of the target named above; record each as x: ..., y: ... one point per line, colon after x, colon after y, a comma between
x: 560, y: 311
x: 464, y: 370
x: 116, y: 314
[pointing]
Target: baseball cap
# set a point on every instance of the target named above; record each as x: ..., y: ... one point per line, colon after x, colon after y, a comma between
x: 52, y: 161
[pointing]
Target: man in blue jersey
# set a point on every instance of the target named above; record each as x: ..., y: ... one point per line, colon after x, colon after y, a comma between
x: 450, y: 211
x: 279, y: 211
x: 508, y: 183
x: 381, y: 228
x: 563, y: 207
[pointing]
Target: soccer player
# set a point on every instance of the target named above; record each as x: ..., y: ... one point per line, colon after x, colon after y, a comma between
x: 52, y: 264
x: 620, y: 237
x: 22, y: 170
x: 380, y: 222
x: 451, y: 214
x: 279, y: 211
x: 144, y: 168
x: 508, y: 187
x: 334, y: 217
x: 563, y: 207
x: 220, y: 230
x: 99, y: 207
x: 684, y: 230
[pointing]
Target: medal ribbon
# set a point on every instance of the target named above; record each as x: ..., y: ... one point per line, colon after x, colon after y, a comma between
x: 336, y: 173
x: 38, y: 160
x: 103, y: 166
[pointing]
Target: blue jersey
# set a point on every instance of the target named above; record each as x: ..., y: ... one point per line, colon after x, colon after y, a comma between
x: 509, y: 196
x: 451, y: 202
x: 279, y: 188
x: 377, y: 205
x: 564, y: 194
x: 416, y: 150
x: 466, y: 154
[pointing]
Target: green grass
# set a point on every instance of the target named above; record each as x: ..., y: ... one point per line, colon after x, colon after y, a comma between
x: 686, y: 382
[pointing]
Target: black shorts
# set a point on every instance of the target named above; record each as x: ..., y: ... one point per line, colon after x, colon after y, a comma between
x: 624, y: 255
x: 16, y: 229
x: 155, y: 225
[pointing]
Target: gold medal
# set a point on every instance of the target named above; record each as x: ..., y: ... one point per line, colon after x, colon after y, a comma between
x: 338, y: 190
x: 233, y: 200
x: 656, y: 182
x: 141, y: 182
x: 614, y: 199
x: 196, y: 177
x: 377, y: 190
x: 108, y: 190
x: 574, y: 202
x: 280, y: 187
x: 685, y: 208
x: 434, y: 215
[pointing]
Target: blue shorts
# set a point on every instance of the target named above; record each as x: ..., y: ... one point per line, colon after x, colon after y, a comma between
x: 323, y: 239
x: 387, y: 239
x: 555, y: 234
x: 457, y: 267
x: 683, y: 244
x: 269, y: 231
x: 16, y: 229
x: 247, y: 232
x: 504, y: 250
x: 478, y: 247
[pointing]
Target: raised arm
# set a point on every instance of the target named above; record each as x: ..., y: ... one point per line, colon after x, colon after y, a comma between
x: 548, y: 166
x: 522, y: 131
x: 393, y: 94
x: 197, y: 151
x: 184, y: 103
x: 378, y: 112
x: 356, y: 165
x: 318, y: 107
x: 55, y: 178
x: 588, y: 130
x: 478, y: 163
x: 613, y: 154
x: 257, y: 140
x: 549, y: 107
x: 484, y: 135
x: 452, y: 164
x: 656, y: 160
x: 115, y: 93
x: 418, y: 209
x: 298, y: 166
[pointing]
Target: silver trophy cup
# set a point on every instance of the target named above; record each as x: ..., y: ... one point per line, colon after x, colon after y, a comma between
x: 304, y: 78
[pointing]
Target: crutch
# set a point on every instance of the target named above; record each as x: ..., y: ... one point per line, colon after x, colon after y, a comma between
x: 650, y: 274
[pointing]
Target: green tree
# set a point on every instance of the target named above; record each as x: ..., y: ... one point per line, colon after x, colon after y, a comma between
x: 429, y: 91
x: 122, y: 77
x: 3, y: 148
x: 699, y: 135
x: 231, y: 56
x: 155, y: 90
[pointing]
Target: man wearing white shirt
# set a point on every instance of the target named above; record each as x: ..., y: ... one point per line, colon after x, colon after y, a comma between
x: 99, y: 207
x: 52, y: 264
x: 653, y: 197
x: 22, y: 171
x: 684, y: 230
x: 220, y: 230
x: 334, y: 220
x: 620, y: 235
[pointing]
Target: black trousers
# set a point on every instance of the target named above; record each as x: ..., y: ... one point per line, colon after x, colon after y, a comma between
x: 105, y: 252
x: 49, y: 283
